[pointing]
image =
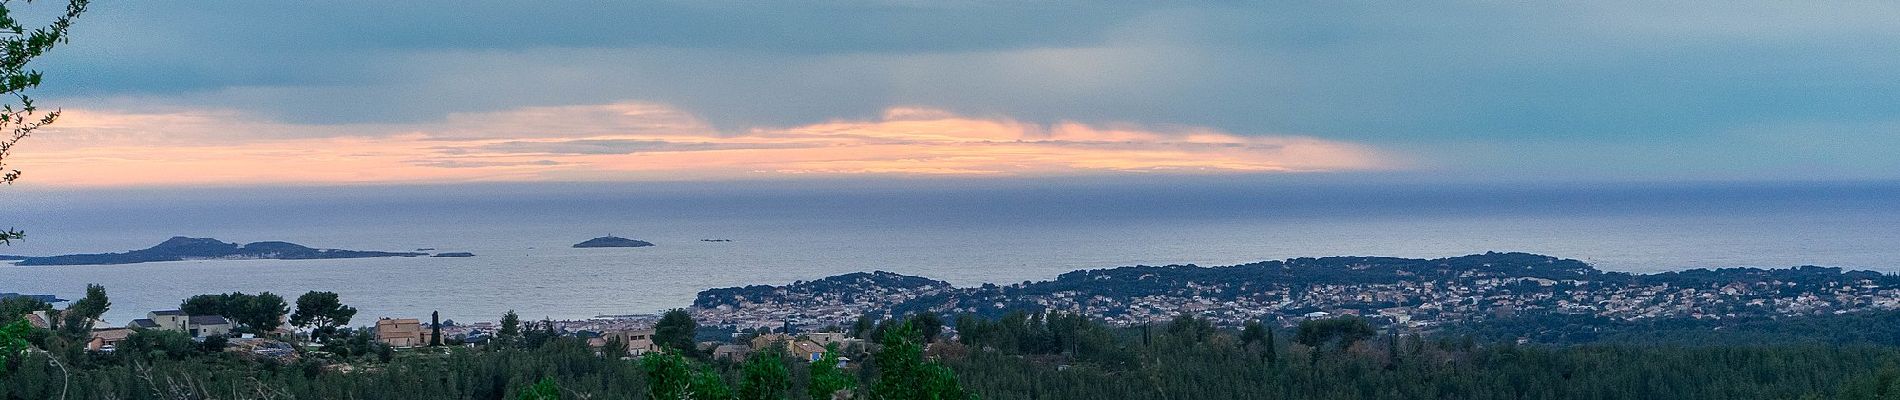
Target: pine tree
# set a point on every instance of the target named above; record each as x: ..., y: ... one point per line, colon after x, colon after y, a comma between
x: 862, y: 327
x: 676, y: 330
x: 765, y: 378
x: 510, y: 331
x: 546, y: 389
x: 670, y: 376
x: 76, y: 321
x: 322, y: 312
x: 903, y: 374
x: 1252, y: 333
x: 827, y: 380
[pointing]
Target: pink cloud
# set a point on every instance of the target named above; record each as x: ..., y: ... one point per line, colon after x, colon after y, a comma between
x: 639, y: 141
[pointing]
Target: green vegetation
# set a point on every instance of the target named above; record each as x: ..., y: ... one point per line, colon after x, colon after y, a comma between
x: 76, y: 321
x: 322, y: 313
x: 675, y: 330
x: 1342, y: 359
x: 1340, y: 332
x: 537, y: 363
x: 546, y: 389
x: 510, y: 331
x: 670, y: 376
x: 259, y: 313
x: 13, y: 308
x: 1016, y: 356
x: 13, y: 341
x: 903, y: 374
x: 828, y: 381
x: 766, y: 377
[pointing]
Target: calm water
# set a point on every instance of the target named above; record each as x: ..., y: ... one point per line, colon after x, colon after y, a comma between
x: 966, y: 233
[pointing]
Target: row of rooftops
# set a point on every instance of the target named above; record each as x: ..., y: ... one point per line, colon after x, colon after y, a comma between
x: 150, y: 323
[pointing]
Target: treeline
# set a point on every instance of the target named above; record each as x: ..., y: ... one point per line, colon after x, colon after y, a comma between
x: 1347, y: 359
x: 563, y: 367
x: 1016, y: 356
x: 525, y: 360
x: 1874, y: 328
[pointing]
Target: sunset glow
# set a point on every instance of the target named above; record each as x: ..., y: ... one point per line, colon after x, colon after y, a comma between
x: 637, y: 141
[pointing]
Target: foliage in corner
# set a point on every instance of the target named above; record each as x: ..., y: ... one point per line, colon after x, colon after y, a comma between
x: 19, y: 117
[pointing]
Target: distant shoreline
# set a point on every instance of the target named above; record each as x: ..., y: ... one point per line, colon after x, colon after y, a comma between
x: 180, y: 248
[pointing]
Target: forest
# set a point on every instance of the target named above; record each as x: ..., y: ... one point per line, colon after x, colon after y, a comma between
x: 1016, y: 356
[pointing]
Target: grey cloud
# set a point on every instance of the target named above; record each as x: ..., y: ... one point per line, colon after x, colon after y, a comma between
x: 1599, y: 75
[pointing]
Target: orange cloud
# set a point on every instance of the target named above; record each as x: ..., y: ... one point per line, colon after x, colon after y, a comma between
x: 635, y: 141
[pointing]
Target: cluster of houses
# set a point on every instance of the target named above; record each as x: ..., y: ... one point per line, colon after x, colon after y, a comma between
x: 108, y: 338
x: 635, y: 334
x: 806, y: 346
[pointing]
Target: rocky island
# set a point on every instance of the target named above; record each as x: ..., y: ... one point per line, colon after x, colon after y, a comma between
x: 611, y: 241
x: 454, y: 254
x: 45, y: 298
x: 182, y: 248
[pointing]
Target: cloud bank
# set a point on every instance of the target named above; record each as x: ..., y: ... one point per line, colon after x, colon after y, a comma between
x: 1488, y: 90
x: 641, y: 141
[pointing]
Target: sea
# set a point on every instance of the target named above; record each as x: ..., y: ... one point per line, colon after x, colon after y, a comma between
x: 967, y: 232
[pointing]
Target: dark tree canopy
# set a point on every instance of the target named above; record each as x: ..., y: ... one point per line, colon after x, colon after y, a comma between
x: 1190, y: 327
x: 13, y: 308
x: 928, y: 325
x: 1253, y: 333
x: 904, y: 374
x: 260, y: 313
x: 435, y: 328
x: 321, y: 311
x: 675, y: 330
x: 510, y: 330
x: 76, y: 321
x: 1341, y: 331
x: 765, y: 378
x: 670, y: 376
x: 546, y: 389
x: 827, y: 380
x: 1012, y: 358
x: 862, y: 327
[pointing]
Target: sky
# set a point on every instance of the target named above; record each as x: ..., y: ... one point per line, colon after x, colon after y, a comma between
x: 358, y: 92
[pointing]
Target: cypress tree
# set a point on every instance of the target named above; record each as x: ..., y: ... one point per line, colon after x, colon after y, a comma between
x: 1392, y: 349
x: 1273, y: 355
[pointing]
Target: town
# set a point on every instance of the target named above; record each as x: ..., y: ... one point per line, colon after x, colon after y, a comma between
x: 1414, y: 295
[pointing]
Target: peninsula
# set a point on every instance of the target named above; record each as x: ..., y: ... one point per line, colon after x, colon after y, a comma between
x: 612, y: 241
x: 180, y: 248
x: 1512, y: 295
